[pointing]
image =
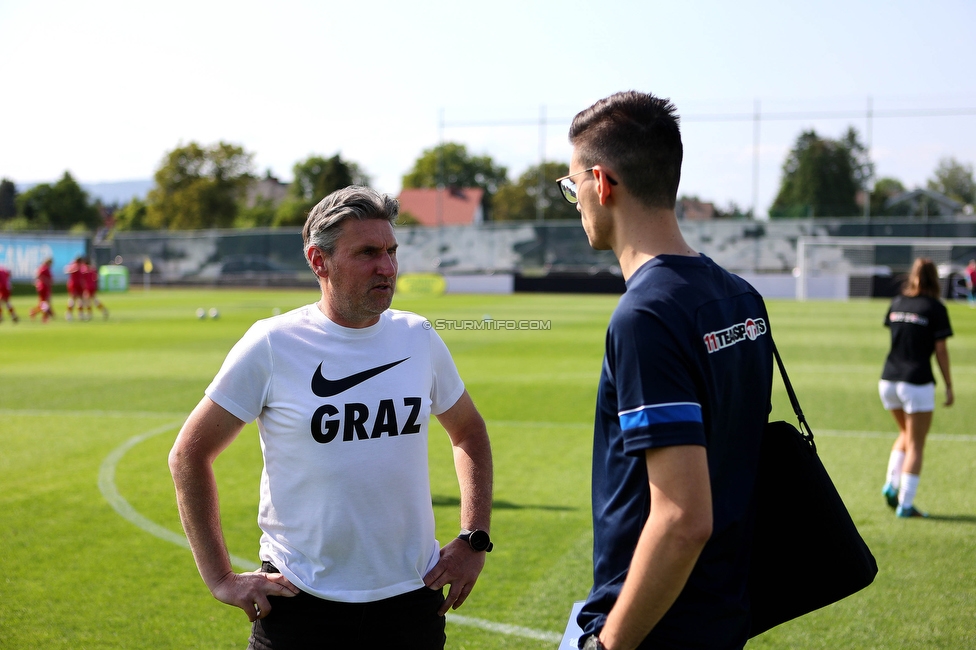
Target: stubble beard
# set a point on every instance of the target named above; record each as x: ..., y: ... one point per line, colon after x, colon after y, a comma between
x: 365, y: 306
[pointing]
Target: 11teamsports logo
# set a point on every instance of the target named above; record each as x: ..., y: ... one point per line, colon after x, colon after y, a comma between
x: 752, y: 329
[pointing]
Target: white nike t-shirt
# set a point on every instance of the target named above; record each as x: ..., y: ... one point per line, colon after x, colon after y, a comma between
x: 345, y: 508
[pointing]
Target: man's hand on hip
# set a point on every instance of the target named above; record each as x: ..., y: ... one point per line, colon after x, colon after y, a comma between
x: 250, y: 591
x: 458, y: 566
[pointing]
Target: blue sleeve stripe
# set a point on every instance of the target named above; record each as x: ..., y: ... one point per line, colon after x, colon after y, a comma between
x: 660, y: 414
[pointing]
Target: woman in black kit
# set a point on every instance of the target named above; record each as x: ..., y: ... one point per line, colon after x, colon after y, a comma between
x: 919, y: 325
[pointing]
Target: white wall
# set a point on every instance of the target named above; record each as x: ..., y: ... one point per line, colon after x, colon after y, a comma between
x: 498, y: 283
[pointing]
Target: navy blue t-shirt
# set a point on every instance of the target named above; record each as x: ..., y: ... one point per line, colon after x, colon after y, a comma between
x: 688, y: 362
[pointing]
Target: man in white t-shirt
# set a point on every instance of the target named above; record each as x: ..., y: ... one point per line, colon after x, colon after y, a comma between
x: 342, y: 391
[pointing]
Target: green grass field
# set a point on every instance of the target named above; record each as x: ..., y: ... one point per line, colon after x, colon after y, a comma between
x: 88, y: 412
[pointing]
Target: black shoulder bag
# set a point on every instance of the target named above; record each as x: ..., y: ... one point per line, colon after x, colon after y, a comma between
x: 807, y: 552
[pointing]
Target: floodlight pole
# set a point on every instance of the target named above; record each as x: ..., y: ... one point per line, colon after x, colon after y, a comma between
x: 867, y: 181
x: 540, y: 207
x: 756, y: 121
x: 439, y: 184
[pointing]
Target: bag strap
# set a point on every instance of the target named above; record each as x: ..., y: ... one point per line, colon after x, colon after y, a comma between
x: 805, y: 430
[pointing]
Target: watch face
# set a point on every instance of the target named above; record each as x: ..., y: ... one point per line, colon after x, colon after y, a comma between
x: 479, y: 540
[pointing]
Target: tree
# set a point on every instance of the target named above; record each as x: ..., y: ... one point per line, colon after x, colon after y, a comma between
x: 955, y: 180
x: 8, y: 197
x: 259, y: 215
x: 132, y: 215
x: 71, y: 206
x: 450, y: 165
x: 884, y: 189
x: 60, y: 206
x: 199, y: 187
x: 31, y: 205
x: 518, y: 201
x: 821, y: 177
x: 315, y: 178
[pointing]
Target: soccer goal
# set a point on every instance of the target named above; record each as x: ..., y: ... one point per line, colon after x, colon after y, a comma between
x: 838, y: 268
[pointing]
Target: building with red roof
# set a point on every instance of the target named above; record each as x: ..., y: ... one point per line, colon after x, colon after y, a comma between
x: 453, y: 206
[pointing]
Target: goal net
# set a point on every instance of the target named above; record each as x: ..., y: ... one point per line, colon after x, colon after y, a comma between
x: 838, y: 268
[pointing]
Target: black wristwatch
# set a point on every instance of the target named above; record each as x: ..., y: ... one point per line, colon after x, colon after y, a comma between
x: 593, y: 643
x: 477, y: 539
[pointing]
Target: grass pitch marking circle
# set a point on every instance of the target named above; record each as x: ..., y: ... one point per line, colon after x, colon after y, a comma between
x: 106, y: 485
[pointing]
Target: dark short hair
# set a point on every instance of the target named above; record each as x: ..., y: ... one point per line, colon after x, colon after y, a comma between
x: 923, y: 279
x: 638, y: 136
x: 354, y: 202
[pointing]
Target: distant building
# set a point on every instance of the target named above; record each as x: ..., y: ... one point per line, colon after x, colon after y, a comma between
x: 694, y: 210
x: 267, y: 188
x: 920, y: 201
x: 454, y: 206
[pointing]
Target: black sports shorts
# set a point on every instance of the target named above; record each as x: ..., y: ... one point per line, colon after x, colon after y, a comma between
x: 408, y: 622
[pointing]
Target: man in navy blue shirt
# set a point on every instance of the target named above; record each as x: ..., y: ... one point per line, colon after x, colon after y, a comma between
x: 683, y: 398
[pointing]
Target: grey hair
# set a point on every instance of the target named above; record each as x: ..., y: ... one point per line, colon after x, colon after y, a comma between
x: 354, y: 202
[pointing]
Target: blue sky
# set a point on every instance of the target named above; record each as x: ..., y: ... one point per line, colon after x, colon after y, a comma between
x: 103, y: 89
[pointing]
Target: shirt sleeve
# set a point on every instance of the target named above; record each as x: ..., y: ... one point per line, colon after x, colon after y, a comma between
x: 941, y: 329
x: 657, y: 401
x: 241, y: 386
x: 446, y: 387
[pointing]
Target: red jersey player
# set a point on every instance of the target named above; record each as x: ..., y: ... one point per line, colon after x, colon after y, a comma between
x: 77, y: 281
x: 42, y: 282
x: 91, y: 289
x: 5, y: 288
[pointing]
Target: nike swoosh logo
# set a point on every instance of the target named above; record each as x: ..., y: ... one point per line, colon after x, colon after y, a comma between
x: 328, y: 387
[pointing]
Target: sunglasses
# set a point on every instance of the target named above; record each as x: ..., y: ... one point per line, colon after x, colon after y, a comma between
x: 568, y: 186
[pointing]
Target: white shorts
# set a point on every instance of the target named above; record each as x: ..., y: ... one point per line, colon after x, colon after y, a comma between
x: 910, y: 398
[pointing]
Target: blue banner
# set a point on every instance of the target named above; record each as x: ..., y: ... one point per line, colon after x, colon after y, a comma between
x: 23, y: 254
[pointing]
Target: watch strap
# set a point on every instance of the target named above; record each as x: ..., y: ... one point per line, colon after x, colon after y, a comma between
x: 466, y: 534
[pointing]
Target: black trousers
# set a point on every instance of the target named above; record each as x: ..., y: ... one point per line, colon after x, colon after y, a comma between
x: 408, y: 622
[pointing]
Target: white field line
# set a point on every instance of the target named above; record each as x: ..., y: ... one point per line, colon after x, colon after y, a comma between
x: 106, y: 484
x: 505, y: 628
